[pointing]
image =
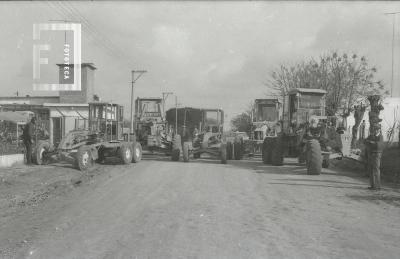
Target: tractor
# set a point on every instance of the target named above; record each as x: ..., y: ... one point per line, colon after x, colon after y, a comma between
x: 103, y: 139
x: 265, y: 117
x: 199, y: 131
x: 304, y: 132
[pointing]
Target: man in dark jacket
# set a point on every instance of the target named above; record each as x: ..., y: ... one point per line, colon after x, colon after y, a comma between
x: 375, y: 147
x: 28, y: 137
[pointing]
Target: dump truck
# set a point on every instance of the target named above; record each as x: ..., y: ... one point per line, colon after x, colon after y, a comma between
x: 104, y: 138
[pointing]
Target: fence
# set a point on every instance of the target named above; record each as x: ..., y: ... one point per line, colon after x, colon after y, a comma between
x: 10, y: 138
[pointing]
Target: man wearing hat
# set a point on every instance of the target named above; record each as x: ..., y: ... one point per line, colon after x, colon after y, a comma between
x: 27, y: 136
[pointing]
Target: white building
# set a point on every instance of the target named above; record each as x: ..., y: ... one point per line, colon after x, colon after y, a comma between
x: 390, y: 116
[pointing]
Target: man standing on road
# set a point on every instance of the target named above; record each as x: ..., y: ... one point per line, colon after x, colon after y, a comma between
x: 374, y: 152
x: 27, y: 136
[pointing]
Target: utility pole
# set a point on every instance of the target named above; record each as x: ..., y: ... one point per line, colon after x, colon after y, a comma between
x: 140, y: 73
x: 176, y: 114
x: 164, y: 98
x: 393, y: 34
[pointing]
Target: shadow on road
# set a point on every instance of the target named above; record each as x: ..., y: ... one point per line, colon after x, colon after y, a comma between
x: 376, y: 198
x: 164, y: 158
x: 322, y: 181
x: 322, y: 185
x: 352, y: 179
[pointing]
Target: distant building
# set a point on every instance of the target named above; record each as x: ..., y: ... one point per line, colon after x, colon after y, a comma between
x: 57, y: 115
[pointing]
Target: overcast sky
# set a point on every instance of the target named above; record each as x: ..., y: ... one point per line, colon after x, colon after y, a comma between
x: 210, y: 54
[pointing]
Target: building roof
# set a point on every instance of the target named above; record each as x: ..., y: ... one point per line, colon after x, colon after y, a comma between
x: 307, y: 90
x: 267, y: 100
x: 27, y: 96
x: 91, y: 65
x: 199, y: 109
x: 65, y: 104
x: 149, y: 98
x: 104, y: 103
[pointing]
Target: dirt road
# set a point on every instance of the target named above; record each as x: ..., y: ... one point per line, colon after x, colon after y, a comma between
x: 163, y: 209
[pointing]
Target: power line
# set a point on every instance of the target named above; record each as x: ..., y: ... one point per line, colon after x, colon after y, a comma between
x: 101, y: 35
x: 96, y: 37
x: 93, y: 34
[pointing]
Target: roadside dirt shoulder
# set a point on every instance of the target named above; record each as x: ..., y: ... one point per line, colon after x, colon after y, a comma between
x: 25, y: 190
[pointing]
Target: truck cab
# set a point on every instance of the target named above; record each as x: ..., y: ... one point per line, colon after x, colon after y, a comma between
x: 151, y: 126
x: 106, y: 119
x: 302, y: 106
x: 265, y: 116
x: 213, y: 120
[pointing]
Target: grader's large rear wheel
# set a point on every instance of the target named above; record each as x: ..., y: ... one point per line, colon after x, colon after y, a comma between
x: 125, y: 153
x: 238, y: 148
x: 223, y: 154
x: 84, y: 159
x: 229, y: 150
x: 266, y: 150
x: 186, y: 152
x: 276, y: 151
x: 137, y: 153
x: 175, y: 154
x: 39, y: 154
x: 314, y: 157
x: 176, y: 148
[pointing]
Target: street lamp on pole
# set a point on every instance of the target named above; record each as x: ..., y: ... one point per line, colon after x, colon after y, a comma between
x: 176, y: 114
x: 134, y: 79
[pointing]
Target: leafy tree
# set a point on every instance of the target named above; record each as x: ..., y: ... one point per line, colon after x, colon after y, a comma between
x: 242, y: 122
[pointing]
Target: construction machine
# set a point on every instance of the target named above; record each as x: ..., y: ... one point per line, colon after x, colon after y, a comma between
x: 152, y: 129
x: 200, y: 131
x: 104, y: 138
x: 304, y: 132
x: 266, y: 114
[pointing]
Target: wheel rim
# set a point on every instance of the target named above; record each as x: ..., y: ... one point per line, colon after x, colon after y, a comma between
x: 85, y: 158
x: 128, y: 153
x: 137, y: 152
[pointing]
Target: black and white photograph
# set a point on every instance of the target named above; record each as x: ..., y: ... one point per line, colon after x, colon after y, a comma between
x: 199, y: 129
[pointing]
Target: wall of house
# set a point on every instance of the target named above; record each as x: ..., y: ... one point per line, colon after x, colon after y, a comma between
x: 390, y: 116
x: 87, y: 86
x: 33, y: 100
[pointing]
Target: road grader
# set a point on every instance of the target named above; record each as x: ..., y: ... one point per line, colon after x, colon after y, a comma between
x: 265, y: 116
x: 103, y: 139
x: 152, y: 130
x: 200, y: 131
x: 304, y: 132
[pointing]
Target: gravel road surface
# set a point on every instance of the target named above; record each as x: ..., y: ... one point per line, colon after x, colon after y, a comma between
x: 203, y: 209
